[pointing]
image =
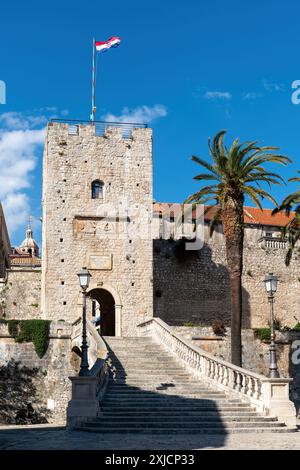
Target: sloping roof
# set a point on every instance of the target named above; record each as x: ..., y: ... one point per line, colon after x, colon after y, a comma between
x: 252, y: 215
x: 25, y: 260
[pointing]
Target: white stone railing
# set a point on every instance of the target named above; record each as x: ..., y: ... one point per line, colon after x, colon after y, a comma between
x: 272, y: 242
x: 268, y: 396
x: 97, y: 347
x: 88, y: 391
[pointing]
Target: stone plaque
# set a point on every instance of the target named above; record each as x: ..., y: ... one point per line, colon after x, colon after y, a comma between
x: 103, y: 262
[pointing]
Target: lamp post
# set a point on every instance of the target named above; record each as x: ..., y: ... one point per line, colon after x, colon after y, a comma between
x: 84, y: 280
x: 271, y: 288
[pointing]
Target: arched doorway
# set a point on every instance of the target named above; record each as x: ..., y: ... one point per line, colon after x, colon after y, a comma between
x: 106, y: 304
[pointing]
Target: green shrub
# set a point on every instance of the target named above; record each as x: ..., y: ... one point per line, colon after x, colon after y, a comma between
x: 36, y: 331
x: 297, y: 327
x: 264, y: 334
x: 189, y: 324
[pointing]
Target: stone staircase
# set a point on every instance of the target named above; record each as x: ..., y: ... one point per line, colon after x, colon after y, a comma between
x: 150, y: 392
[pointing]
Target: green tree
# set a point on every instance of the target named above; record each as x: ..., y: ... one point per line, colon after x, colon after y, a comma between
x: 292, y: 230
x: 235, y: 172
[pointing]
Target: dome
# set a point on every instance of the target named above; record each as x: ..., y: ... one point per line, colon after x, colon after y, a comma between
x: 29, y: 245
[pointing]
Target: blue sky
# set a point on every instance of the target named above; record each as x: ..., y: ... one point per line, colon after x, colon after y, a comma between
x: 198, y: 67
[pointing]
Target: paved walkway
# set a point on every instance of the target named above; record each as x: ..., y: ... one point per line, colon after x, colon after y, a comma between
x: 45, y: 437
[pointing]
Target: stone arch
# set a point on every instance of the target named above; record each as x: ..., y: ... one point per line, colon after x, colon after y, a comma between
x: 118, y: 304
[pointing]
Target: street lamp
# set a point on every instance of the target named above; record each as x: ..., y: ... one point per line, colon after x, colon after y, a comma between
x: 84, y: 280
x: 271, y: 287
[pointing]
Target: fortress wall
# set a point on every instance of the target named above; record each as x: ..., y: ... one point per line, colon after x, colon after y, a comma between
x: 21, y: 294
x: 197, y: 289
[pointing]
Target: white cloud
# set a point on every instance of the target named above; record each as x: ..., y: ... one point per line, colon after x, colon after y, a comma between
x: 217, y: 95
x: 19, y: 144
x: 15, y: 121
x: 252, y: 95
x: 16, y: 209
x: 140, y: 114
x: 270, y: 87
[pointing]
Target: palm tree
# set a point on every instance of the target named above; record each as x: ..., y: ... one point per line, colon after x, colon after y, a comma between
x: 235, y: 172
x: 292, y: 229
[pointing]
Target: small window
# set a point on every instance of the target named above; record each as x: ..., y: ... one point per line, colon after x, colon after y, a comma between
x: 97, y: 189
x: 269, y: 234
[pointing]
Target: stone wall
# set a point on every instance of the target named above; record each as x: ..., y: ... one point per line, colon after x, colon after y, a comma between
x: 196, y: 288
x: 50, y: 382
x: 75, y: 233
x: 21, y: 294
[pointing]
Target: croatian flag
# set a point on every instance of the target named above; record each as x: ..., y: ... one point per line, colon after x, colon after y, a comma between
x: 104, y: 46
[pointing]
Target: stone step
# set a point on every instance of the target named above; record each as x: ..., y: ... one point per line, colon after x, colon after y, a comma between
x: 144, y: 395
x: 138, y: 346
x: 145, y: 420
x: 168, y: 405
x: 151, y: 392
x: 204, y: 411
x: 128, y: 339
x: 177, y: 390
x: 115, y: 354
x: 150, y: 363
x: 159, y: 397
x: 147, y: 369
x: 153, y: 373
x: 137, y: 352
x: 187, y: 425
x: 178, y: 413
x: 194, y: 431
x: 141, y: 382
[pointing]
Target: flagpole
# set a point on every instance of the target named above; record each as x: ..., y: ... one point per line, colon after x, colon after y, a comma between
x: 93, y: 85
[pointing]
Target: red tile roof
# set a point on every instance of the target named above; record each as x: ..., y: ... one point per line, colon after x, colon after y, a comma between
x: 252, y: 215
x: 25, y: 260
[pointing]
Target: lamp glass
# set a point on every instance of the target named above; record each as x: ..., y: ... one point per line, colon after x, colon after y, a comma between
x: 271, y: 283
x: 84, y: 278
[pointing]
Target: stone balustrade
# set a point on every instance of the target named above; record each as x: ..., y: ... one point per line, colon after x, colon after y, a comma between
x: 88, y: 391
x: 272, y: 242
x: 268, y: 396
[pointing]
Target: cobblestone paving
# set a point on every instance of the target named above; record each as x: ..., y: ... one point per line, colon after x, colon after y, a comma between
x: 45, y: 437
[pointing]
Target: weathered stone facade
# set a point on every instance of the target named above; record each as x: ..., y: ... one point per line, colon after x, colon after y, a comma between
x: 51, y: 380
x: 196, y: 288
x: 75, y: 233
x: 22, y: 293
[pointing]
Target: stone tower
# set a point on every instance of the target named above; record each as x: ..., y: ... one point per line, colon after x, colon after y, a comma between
x: 93, y: 182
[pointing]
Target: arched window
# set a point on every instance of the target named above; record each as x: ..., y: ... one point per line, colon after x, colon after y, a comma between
x: 97, y: 189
